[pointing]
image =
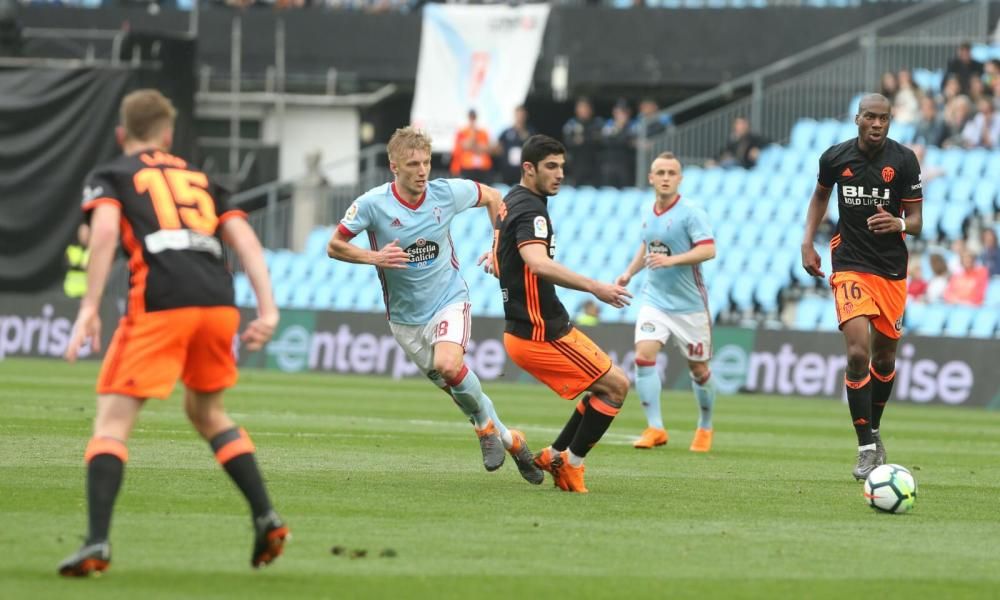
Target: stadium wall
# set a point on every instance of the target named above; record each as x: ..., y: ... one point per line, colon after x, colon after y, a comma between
x: 954, y: 372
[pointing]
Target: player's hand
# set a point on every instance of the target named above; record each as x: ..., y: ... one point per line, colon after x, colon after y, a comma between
x: 883, y: 222
x: 391, y: 256
x: 811, y: 261
x: 612, y: 294
x: 259, y: 331
x: 486, y: 260
x: 658, y: 261
x: 623, y: 279
x: 87, y: 327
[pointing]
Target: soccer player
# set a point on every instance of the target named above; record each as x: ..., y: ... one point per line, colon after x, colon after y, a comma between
x: 539, y: 336
x: 878, y: 194
x: 180, y: 321
x: 427, y: 301
x: 676, y: 238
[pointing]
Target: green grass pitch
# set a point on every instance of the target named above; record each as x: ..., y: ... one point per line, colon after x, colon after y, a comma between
x: 373, y: 464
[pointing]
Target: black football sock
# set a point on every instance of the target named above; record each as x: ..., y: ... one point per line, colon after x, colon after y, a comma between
x: 106, y: 458
x: 569, y: 430
x: 859, y: 399
x: 235, y: 452
x: 596, y: 420
x: 881, y: 390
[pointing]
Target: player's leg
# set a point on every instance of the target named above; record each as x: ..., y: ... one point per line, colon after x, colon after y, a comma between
x: 891, y: 299
x: 607, y: 395
x: 858, y: 383
x: 652, y: 330
x: 143, y: 360
x: 856, y: 307
x: 693, y: 334
x: 105, y: 457
x: 650, y: 390
x: 236, y: 453
x: 209, y: 369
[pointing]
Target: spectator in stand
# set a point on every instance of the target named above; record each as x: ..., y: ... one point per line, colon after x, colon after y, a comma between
x: 470, y: 158
x: 991, y: 73
x: 582, y: 137
x: 744, y: 146
x: 889, y: 85
x: 589, y: 314
x: 916, y: 285
x: 906, y: 104
x: 650, y: 116
x: 618, y: 154
x: 977, y: 91
x: 964, y: 67
x: 991, y: 253
x: 509, y: 144
x: 950, y: 90
x: 983, y: 130
x: 958, y: 248
x: 930, y: 128
x: 968, y: 286
x: 956, y: 115
x: 938, y: 282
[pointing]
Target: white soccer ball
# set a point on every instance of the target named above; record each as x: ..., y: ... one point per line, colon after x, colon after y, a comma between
x: 891, y: 489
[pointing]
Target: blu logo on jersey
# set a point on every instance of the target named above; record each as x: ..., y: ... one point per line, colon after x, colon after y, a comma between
x: 659, y: 247
x: 422, y: 253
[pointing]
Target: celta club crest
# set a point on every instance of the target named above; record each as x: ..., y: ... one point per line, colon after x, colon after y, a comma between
x: 437, y: 213
x: 888, y: 174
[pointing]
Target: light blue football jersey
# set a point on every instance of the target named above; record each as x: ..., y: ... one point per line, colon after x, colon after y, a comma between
x: 675, y: 231
x: 431, y: 281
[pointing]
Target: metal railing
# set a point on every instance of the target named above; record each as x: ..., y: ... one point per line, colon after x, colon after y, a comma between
x: 819, y: 82
x: 269, y: 207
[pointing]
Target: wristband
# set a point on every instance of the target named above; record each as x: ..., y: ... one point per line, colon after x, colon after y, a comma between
x: 902, y: 223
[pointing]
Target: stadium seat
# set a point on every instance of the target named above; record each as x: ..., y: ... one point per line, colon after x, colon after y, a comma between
x: 298, y: 268
x: 754, y: 185
x: 902, y: 132
x: 984, y: 324
x: 992, y: 292
x: 301, y: 296
x: 959, y: 321
x: 848, y: 130
x: 807, y: 313
x: 711, y: 181
x: 323, y: 296
x: 317, y: 241
x: 827, y: 134
x: 932, y: 321
x: 283, y: 295
x: 951, y: 161
x: 769, y: 159
x: 828, y: 317
x: 243, y: 291
x: 767, y: 292
x: 985, y: 198
x: 742, y: 292
x: 952, y: 221
x: 803, y: 133
x: 993, y: 163
x: 974, y: 163
x: 732, y: 183
x: 738, y: 208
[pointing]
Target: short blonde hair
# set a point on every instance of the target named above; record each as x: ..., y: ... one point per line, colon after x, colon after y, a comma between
x: 667, y: 156
x: 145, y: 112
x: 407, y: 138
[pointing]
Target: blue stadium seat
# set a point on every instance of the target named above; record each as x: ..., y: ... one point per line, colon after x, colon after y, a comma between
x: 960, y: 191
x: 951, y: 160
x: 738, y: 209
x: 932, y: 321
x: 301, y: 297
x: 826, y: 135
x: 807, y: 313
x: 317, y: 241
x: 323, y: 296
x: 769, y: 159
x: 716, y: 210
x: 985, y: 198
x: 852, y: 108
x: 746, y: 239
x: 725, y: 235
x: 767, y: 292
x: 903, y: 132
x: 959, y: 321
x: 974, y: 163
x: 984, y: 325
x: 243, y: 291
x: 776, y: 187
x: 732, y: 183
x: 755, y: 183
x: 791, y: 162
x: 742, y: 291
x: 299, y: 268
x: 848, y: 130
x: 803, y: 133
x: 992, y: 292
x: 282, y: 294
x: 279, y: 264
x: 952, y: 220
x: 993, y: 163
x: 828, y: 317
x: 711, y: 181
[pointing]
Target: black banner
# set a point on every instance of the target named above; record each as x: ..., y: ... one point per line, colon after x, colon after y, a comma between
x: 55, y: 124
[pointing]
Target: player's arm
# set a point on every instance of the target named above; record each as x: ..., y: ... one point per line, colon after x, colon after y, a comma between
x: 491, y: 200
x: 536, y: 257
x: 814, y: 216
x: 391, y: 256
x: 701, y: 252
x: 104, y: 231
x: 637, y: 264
x: 238, y: 235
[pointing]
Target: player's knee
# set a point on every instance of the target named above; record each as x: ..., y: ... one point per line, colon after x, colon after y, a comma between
x: 449, y: 368
x: 617, y: 386
x: 699, y: 370
x: 884, y: 363
x: 858, y: 358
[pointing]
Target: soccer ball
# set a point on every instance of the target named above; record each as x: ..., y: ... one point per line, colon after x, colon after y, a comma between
x: 891, y: 489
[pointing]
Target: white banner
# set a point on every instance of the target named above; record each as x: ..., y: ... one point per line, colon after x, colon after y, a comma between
x: 478, y: 57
